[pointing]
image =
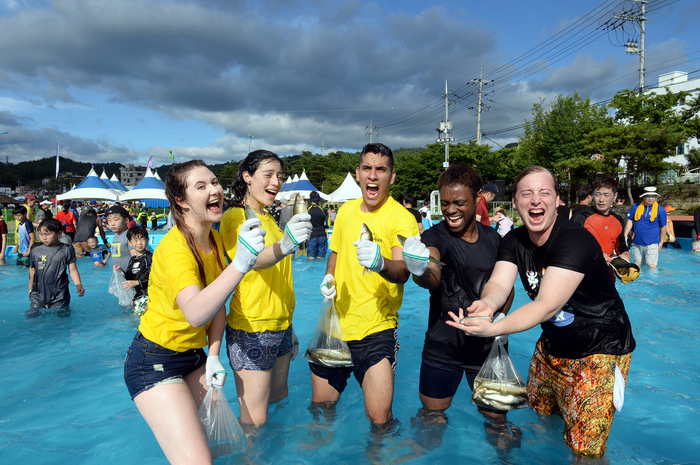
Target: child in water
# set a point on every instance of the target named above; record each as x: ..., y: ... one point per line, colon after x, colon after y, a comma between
x: 99, y: 253
x: 136, y: 273
x: 48, y: 280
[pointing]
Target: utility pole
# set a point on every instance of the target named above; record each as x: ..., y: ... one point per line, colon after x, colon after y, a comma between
x: 480, y: 107
x: 371, y: 128
x: 446, y: 127
x: 634, y: 47
x: 324, y: 147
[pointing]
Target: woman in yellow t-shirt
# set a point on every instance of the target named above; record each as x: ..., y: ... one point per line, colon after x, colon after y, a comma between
x: 259, y: 333
x: 166, y: 369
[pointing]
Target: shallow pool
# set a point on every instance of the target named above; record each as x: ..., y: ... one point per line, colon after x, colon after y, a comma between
x: 63, y: 398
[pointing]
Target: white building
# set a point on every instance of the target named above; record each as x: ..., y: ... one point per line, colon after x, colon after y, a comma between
x: 677, y: 81
x: 130, y: 175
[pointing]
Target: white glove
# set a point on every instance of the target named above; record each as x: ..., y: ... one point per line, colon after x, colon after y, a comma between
x: 295, y: 345
x: 369, y: 255
x: 297, y: 230
x: 251, y: 241
x: 328, y: 287
x: 416, y: 255
x: 216, y: 374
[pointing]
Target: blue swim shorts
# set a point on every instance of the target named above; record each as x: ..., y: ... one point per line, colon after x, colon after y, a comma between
x: 256, y: 351
x: 317, y: 247
x: 148, y: 364
x: 365, y: 354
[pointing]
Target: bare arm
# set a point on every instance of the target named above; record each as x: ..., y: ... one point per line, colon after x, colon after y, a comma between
x: 330, y: 266
x: 215, y: 332
x: 556, y: 288
x: 498, y: 290
x: 3, y: 245
x: 432, y: 276
x: 32, y: 272
x: 201, y: 305
x: 32, y: 240
x: 75, y: 276
x: 269, y: 257
x: 395, y: 270
x: 662, y: 236
x: 628, y: 228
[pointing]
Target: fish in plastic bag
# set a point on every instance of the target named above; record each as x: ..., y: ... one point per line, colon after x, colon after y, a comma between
x: 224, y: 434
x: 498, y: 384
x: 327, y: 347
x: 116, y: 288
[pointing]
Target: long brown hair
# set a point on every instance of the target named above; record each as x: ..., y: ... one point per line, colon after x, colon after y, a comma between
x: 175, y: 190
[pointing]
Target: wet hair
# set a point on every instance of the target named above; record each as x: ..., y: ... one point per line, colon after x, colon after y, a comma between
x: 382, y: 150
x: 605, y: 182
x: 532, y: 170
x: 51, y: 225
x: 409, y: 199
x: 19, y: 210
x: 461, y: 175
x: 252, y: 162
x: 584, y: 192
x: 176, y: 190
x: 137, y: 231
x: 91, y: 237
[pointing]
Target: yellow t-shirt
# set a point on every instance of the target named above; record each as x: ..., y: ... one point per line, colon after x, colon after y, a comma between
x: 368, y: 304
x: 264, y: 300
x: 174, y: 268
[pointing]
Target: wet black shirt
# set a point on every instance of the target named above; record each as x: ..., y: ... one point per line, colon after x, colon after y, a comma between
x: 319, y: 219
x: 594, y: 320
x: 468, y: 267
x: 50, y: 288
x: 139, y: 268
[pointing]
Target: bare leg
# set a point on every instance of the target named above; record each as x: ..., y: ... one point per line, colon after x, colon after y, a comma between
x: 378, y: 392
x: 171, y: 413
x: 322, y: 392
x: 256, y: 389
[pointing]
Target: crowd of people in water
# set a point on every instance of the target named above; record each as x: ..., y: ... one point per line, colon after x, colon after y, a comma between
x: 221, y: 278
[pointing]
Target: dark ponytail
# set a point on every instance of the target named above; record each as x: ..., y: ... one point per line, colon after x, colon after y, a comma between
x: 251, y: 164
x: 175, y: 189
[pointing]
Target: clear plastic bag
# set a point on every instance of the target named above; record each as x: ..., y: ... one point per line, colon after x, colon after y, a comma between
x: 327, y: 347
x: 498, y: 384
x: 116, y: 288
x: 224, y: 434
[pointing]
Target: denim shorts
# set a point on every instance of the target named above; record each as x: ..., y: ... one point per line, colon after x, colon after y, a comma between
x: 365, y: 354
x: 256, y: 351
x: 148, y: 364
x: 317, y: 247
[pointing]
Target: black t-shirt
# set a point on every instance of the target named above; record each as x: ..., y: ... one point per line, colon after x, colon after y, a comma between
x: 579, y: 208
x: 563, y: 210
x: 319, y: 219
x: 50, y: 288
x: 416, y: 213
x: 139, y: 268
x: 594, y: 320
x: 86, y: 228
x: 467, y: 268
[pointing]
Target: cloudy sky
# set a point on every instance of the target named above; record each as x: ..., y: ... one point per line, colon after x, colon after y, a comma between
x: 124, y: 80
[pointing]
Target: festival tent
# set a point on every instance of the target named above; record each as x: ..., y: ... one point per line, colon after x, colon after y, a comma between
x: 117, y: 183
x: 348, y: 190
x: 109, y: 183
x: 92, y: 187
x: 155, y: 175
x: 288, y: 186
x: 148, y: 188
x: 305, y: 188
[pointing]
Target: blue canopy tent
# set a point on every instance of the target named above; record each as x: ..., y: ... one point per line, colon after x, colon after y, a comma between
x: 109, y: 183
x: 117, y: 183
x: 92, y: 187
x: 148, y: 188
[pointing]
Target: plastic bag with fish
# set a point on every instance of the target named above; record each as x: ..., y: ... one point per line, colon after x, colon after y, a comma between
x: 300, y: 207
x: 327, y: 347
x: 498, y: 384
x: 224, y: 434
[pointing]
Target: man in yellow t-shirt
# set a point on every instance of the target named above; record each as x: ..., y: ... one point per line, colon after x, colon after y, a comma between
x: 367, y: 303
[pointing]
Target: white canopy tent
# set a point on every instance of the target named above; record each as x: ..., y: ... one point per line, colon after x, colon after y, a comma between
x: 348, y: 190
x: 304, y: 187
x: 92, y: 187
x: 109, y: 183
x: 148, y: 188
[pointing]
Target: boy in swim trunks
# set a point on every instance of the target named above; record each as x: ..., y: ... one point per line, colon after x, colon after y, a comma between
x: 99, y: 253
x: 586, y: 342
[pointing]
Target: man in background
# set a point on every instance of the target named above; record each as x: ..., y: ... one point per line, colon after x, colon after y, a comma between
x: 409, y: 201
x: 488, y: 193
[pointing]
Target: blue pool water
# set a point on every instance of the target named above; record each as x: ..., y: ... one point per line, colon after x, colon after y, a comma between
x: 63, y: 399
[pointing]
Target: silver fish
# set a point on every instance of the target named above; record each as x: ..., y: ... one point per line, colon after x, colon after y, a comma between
x: 402, y: 240
x: 503, y: 396
x: 366, y: 235
x: 300, y: 207
x: 333, y: 358
x: 250, y: 214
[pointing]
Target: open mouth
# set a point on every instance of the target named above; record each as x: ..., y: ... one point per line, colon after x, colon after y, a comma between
x: 453, y: 220
x: 536, y: 214
x: 271, y: 193
x: 372, y: 190
x: 214, y: 206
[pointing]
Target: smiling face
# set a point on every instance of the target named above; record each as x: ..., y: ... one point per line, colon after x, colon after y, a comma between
x: 92, y: 243
x: 374, y: 176
x: 536, y: 201
x: 264, y: 184
x: 204, y: 196
x: 459, y: 208
x: 139, y: 244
